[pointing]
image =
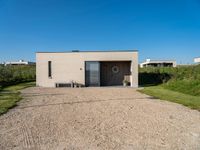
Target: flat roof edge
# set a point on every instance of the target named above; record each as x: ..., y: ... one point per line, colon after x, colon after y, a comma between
x: 76, y: 51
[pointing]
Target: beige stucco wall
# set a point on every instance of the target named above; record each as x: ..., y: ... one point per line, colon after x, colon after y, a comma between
x: 71, y: 65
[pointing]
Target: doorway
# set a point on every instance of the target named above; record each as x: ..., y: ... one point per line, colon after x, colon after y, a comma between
x: 112, y: 73
x: 106, y: 73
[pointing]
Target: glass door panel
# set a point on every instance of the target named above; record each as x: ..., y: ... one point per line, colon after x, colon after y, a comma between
x: 92, y: 73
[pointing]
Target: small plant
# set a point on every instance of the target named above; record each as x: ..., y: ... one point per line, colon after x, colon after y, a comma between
x: 125, y: 82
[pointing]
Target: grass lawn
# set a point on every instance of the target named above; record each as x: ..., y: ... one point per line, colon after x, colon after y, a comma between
x: 172, y: 96
x: 10, y: 95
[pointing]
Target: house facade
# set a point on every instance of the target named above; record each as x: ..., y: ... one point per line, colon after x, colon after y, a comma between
x: 89, y: 68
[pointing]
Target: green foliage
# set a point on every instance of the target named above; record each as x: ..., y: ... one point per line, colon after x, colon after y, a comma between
x: 187, y: 86
x: 10, y: 75
x: 8, y: 101
x: 10, y: 95
x: 184, y: 79
x: 173, y: 96
x: 152, y: 78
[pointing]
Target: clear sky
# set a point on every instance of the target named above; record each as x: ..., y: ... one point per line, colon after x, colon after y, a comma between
x: 159, y: 29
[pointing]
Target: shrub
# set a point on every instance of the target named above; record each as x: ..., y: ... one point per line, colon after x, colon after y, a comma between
x: 10, y: 75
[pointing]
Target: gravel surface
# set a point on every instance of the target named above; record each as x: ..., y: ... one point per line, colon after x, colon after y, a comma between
x: 97, y: 119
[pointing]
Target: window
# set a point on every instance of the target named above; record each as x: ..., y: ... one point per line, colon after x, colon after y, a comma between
x: 49, y: 69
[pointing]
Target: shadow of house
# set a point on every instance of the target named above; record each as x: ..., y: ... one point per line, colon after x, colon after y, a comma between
x: 148, y: 79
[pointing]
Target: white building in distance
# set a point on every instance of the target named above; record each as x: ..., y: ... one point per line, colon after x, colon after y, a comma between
x: 197, y: 60
x: 158, y: 63
x: 20, y: 62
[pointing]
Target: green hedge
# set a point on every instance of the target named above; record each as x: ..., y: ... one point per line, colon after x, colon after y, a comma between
x: 154, y: 75
x: 10, y: 75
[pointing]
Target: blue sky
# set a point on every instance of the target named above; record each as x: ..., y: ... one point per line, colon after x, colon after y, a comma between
x: 159, y: 29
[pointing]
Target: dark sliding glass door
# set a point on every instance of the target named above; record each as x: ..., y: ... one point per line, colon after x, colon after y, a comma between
x: 92, y: 73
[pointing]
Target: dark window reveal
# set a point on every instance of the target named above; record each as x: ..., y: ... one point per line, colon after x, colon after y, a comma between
x: 49, y: 69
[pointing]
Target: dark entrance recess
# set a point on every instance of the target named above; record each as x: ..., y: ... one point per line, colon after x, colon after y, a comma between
x: 112, y: 73
x: 106, y: 73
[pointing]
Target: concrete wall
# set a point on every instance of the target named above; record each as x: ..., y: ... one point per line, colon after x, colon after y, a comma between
x: 71, y: 65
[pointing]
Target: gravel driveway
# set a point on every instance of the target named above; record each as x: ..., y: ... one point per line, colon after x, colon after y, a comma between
x: 96, y: 119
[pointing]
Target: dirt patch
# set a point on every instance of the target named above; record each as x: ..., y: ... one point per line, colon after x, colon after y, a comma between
x: 97, y: 118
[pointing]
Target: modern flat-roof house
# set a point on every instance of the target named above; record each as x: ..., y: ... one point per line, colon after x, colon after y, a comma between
x: 89, y: 68
x: 197, y: 60
x: 158, y: 63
